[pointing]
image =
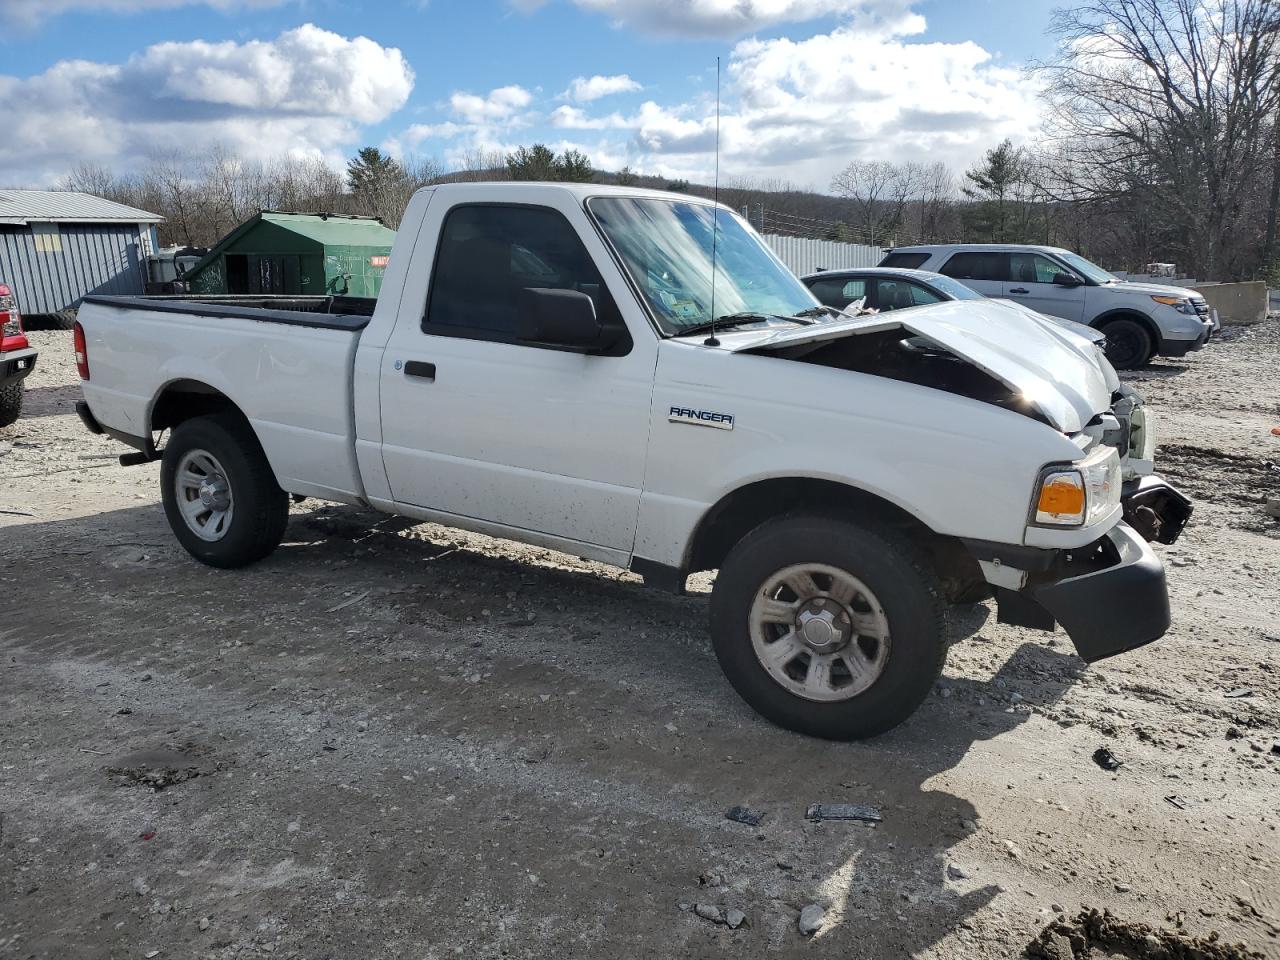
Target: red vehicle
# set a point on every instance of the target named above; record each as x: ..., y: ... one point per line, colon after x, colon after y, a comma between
x: 17, y: 358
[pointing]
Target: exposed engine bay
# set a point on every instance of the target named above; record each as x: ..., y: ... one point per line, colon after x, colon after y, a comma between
x: 912, y: 359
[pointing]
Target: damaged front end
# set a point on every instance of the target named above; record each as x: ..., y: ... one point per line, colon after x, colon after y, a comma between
x: 1109, y: 594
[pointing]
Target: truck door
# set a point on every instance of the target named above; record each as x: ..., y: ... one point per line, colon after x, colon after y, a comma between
x: 476, y: 423
x: 1035, y: 280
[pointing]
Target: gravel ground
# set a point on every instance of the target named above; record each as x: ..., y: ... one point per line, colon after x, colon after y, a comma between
x: 394, y: 740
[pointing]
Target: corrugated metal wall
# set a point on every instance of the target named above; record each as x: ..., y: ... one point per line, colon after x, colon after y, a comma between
x: 94, y: 258
x: 804, y: 256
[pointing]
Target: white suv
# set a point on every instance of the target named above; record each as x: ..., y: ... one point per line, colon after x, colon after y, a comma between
x: 1141, y: 320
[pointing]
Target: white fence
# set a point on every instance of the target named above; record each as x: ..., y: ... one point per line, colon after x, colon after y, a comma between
x: 804, y: 256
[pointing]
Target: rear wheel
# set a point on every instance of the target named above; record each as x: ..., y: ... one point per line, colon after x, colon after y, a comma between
x: 10, y: 403
x: 828, y: 628
x: 63, y: 320
x: 220, y: 495
x: 1129, y: 343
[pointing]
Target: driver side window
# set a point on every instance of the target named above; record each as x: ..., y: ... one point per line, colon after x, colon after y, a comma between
x: 1034, y: 268
x: 489, y: 255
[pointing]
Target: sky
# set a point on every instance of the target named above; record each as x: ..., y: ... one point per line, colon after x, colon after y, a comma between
x: 806, y: 85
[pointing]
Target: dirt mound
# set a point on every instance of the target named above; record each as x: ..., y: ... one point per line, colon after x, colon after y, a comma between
x: 1100, y: 935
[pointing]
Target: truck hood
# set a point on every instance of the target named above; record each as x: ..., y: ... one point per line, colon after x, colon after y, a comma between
x: 1047, y: 365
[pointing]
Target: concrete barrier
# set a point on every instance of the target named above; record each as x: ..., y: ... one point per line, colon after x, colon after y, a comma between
x: 1237, y: 303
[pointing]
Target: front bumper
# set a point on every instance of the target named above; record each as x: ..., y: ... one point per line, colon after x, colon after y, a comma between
x: 1180, y: 348
x: 16, y: 365
x: 1110, y: 596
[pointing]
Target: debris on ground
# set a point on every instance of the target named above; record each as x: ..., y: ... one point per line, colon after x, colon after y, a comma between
x: 348, y: 603
x: 741, y: 814
x: 709, y: 911
x: 734, y: 919
x: 1238, y: 693
x: 843, y: 811
x: 1099, y: 930
x: 810, y: 921
x: 157, y: 769
x: 1272, y: 509
x: 1106, y: 759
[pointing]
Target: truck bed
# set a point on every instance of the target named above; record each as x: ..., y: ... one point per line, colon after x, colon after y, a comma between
x: 284, y: 362
x: 325, y: 313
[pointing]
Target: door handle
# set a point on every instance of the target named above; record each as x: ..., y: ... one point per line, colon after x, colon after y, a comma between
x: 1019, y: 290
x: 419, y: 368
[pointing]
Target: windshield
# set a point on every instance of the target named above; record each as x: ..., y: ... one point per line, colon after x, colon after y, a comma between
x: 954, y: 288
x: 1092, y: 272
x: 666, y: 246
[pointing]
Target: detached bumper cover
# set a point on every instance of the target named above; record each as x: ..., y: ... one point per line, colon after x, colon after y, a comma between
x: 16, y: 365
x: 1110, y: 596
x: 1110, y: 600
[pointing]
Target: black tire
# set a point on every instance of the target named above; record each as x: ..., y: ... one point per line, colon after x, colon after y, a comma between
x: 62, y: 320
x: 1129, y: 343
x: 890, y: 567
x: 10, y: 403
x: 260, y: 509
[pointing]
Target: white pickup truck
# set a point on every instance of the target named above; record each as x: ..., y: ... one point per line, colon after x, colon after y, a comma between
x: 541, y: 366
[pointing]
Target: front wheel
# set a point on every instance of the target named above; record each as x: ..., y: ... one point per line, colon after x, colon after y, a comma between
x: 220, y: 495
x: 828, y: 628
x: 1129, y: 344
x: 10, y: 403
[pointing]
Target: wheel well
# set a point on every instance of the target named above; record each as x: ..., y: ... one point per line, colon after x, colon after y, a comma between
x: 1147, y: 323
x: 741, y: 511
x: 184, y: 399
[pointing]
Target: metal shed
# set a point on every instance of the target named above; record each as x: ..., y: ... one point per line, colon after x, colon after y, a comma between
x: 57, y: 246
x: 297, y: 253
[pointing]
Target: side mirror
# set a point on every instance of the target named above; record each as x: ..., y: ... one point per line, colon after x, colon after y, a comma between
x: 1066, y: 280
x: 563, y: 318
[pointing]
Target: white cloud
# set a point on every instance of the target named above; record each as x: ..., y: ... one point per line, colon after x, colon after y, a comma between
x: 309, y: 91
x: 802, y: 109
x: 726, y: 18
x: 30, y: 13
x: 792, y: 109
x: 586, y: 89
x: 498, y: 106
x: 565, y: 117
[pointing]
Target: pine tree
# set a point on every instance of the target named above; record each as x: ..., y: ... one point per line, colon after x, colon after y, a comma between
x: 532, y: 163
x: 995, y: 184
x: 371, y: 172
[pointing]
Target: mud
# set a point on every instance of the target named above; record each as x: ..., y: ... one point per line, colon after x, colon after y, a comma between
x: 1098, y: 934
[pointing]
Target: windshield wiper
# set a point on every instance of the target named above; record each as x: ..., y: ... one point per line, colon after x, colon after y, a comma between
x: 733, y: 320
x: 818, y: 311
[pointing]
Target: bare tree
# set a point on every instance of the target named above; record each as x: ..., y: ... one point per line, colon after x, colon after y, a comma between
x: 1167, y: 106
x: 880, y: 191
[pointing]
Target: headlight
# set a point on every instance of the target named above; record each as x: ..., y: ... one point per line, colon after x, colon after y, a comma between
x: 1181, y: 304
x: 1079, y: 494
x: 1142, y: 434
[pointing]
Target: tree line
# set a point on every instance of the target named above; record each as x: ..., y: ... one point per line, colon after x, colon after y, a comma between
x: 203, y: 198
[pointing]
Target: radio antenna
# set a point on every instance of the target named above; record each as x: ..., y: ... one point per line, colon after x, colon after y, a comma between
x: 712, y: 341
